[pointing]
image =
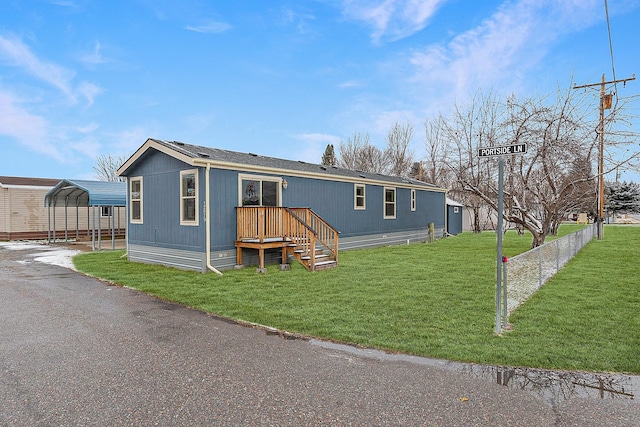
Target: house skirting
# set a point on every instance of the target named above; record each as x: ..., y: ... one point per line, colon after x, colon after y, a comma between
x: 226, y: 259
x: 388, y: 239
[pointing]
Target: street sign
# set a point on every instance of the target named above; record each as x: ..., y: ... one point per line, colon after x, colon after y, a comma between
x: 505, y: 150
x: 501, y: 264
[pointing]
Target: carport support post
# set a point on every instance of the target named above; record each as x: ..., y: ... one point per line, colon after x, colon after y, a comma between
x: 499, y: 254
x: 113, y: 227
x: 93, y: 228
x: 49, y: 223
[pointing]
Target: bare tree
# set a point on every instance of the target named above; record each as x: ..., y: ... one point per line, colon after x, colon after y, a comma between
x: 542, y: 186
x: 470, y: 126
x: 106, y: 167
x: 434, y: 168
x: 397, y: 152
x: 358, y: 154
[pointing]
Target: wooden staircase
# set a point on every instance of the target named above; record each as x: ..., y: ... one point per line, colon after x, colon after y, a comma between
x: 318, y: 260
x: 299, y: 232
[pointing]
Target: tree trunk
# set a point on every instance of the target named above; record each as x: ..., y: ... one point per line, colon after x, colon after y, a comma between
x: 538, y: 240
x: 476, y: 219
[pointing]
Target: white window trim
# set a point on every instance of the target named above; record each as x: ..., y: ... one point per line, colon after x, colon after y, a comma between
x: 131, y: 220
x: 456, y: 209
x: 242, y: 176
x: 413, y: 200
x: 109, y: 208
x: 355, y: 197
x: 384, y: 202
x: 196, y: 221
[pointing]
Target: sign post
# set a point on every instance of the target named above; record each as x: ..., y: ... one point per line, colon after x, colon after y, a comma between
x: 501, y: 288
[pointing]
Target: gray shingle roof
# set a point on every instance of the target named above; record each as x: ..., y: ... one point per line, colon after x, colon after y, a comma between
x: 226, y: 156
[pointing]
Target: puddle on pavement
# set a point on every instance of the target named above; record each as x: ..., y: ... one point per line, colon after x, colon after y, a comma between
x: 552, y: 386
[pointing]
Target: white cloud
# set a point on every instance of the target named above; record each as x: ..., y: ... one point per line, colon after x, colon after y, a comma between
x: 385, y: 120
x: 501, y: 50
x: 64, y: 144
x: 314, y: 146
x: 90, y: 128
x: 89, y: 91
x: 128, y: 141
x: 210, y: 27
x: 392, y: 19
x: 299, y: 20
x: 94, y: 57
x: 30, y: 130
x: 17, y: 54
x: 349, y: 84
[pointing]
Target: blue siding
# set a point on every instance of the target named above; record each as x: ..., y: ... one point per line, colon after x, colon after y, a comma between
x: 224, y: 199
x: 334, y: 202
x: 161, y: 206
x: 162, y: 239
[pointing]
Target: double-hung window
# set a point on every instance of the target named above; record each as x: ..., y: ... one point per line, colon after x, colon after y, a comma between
x: 359, y: 200
x: 413, y: 200
x: 389, y: 203
x: 189, y: 197
x: 135, y: 200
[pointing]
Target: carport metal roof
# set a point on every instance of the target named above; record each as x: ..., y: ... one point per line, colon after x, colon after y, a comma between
x: 87, y: 193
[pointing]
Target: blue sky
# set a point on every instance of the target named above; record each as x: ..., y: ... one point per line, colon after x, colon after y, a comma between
x: 284, y: 78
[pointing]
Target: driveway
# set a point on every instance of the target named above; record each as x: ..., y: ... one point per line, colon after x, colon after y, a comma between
x: 77, y: 351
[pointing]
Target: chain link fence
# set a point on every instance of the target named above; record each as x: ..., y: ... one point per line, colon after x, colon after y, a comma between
x: 527, y: 272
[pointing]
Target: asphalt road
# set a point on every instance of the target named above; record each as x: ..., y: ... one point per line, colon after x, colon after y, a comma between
x: 76, y: 351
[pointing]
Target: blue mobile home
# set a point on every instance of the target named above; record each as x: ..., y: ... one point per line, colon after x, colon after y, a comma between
x: 203, y: 208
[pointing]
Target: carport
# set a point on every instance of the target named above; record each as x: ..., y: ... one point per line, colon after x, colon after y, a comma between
x: 106, y: 196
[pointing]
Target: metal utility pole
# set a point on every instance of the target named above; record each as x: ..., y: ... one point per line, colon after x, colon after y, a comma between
x: 605, y: 103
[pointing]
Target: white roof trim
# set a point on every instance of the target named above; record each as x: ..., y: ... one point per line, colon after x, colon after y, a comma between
x: 150, y: 143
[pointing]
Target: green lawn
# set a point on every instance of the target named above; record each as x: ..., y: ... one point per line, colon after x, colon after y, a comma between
x: 429, y: 299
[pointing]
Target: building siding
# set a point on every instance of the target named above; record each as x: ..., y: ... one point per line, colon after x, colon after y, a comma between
x: 161, y: 239
x: 161, y: 206
x: 24, y: 216
x: 454, y: 220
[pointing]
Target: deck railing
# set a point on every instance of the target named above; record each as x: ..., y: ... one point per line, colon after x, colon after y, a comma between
x: 301, y: 226
x: 260, y: 223
x: 321, y: 232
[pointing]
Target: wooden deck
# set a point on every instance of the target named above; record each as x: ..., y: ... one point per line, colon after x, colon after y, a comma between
x: 299, y: 232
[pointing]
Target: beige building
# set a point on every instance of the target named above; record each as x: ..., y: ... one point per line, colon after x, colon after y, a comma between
x: 23, y: 214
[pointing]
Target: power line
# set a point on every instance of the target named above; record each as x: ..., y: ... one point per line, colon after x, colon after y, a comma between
x: 613, y: 68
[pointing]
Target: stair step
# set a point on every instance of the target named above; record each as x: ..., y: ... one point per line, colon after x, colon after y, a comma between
x: 318, y: 256
x: 324, y: 265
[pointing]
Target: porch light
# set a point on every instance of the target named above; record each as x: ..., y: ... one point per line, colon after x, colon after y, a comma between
x: 284, y: 184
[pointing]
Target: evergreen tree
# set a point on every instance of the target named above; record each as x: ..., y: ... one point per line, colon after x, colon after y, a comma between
x: 329, y: 156
x: 623, y: 197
